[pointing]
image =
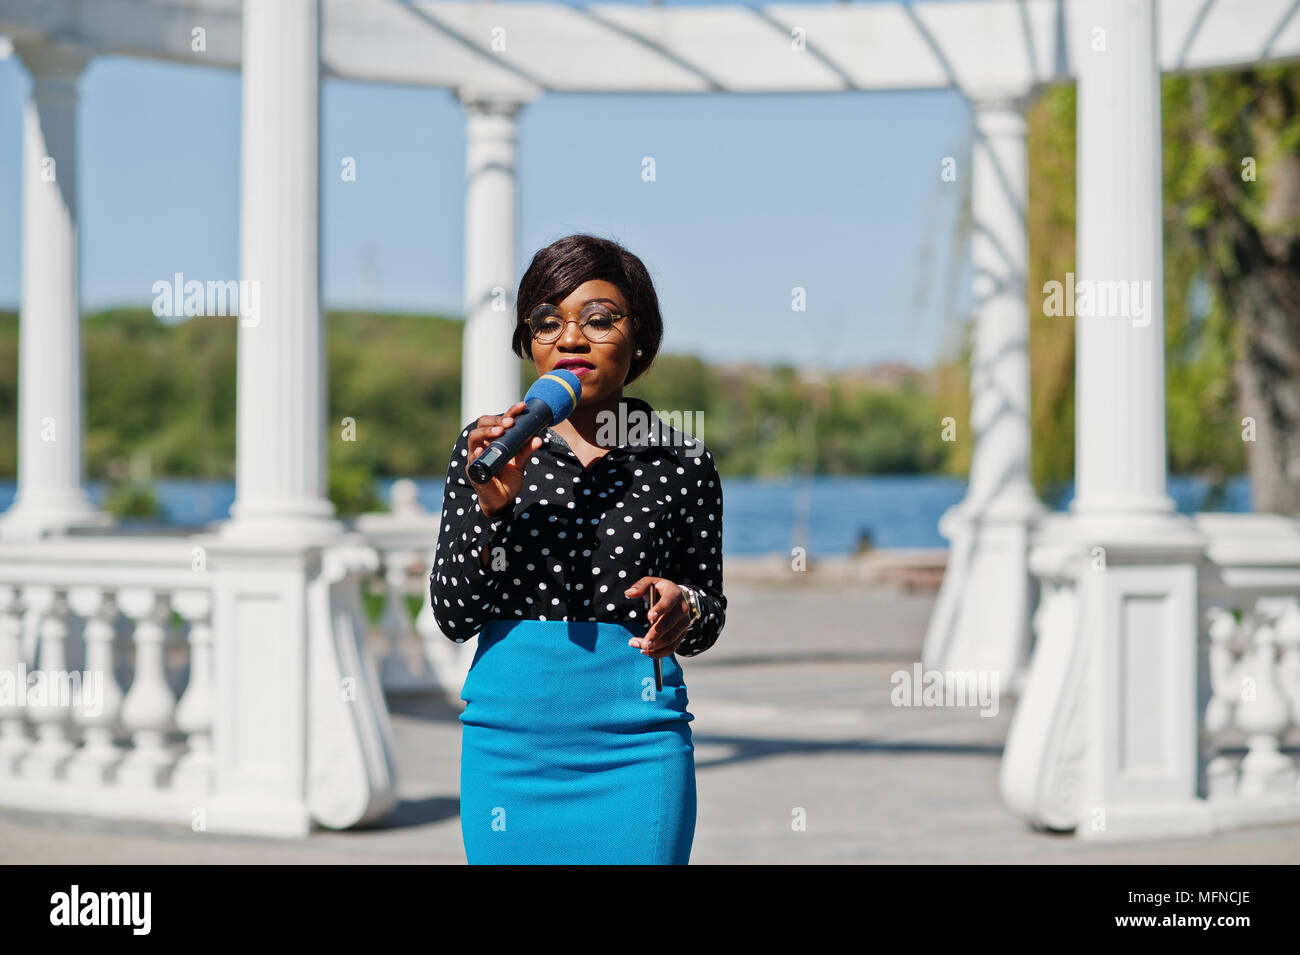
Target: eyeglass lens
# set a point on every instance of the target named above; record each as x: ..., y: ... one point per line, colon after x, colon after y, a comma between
x: 596, y: 322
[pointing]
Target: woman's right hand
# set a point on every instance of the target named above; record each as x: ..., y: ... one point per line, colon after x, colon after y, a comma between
x: 504, y: 487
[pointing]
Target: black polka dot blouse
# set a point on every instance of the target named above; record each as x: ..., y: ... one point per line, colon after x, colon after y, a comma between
x: 575, y: 538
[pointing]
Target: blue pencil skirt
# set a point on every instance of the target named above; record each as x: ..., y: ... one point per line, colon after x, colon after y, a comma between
x: 569, y: 755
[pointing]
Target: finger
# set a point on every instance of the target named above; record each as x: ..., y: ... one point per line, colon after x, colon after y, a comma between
x: 476, y: 449
x: 508, y: 416
x: 488, y: 429
x: 668, y: 597
x: 480, y: 445
x: 495, y: 425
x: 670, y: 641
x: 484, y: 422
x: 664, y: 625
x: 671, y: 648
x: 640, y: 586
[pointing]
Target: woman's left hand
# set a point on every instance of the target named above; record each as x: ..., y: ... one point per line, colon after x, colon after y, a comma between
x: 669, y: 617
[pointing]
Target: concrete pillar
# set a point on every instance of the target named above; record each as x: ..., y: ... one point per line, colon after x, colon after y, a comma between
x: 1141, y: 610
x: 51, y: 496
x: 287, y: 627
x: 490, y: 370
x: 1120, y: 445
x: 1106, y: 734
x: 981, y: 618
x: 281, y: 489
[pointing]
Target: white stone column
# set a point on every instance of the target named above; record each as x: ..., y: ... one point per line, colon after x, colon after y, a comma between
x: 981, y: 618
x: 281, y: 475
x: 489, y: 369
x: 1141, y: 610
x: 1106, y: 734
x: 287, y: 746
x: 1120, y: 446
x: 1000, y: 482
x: 50, y: 495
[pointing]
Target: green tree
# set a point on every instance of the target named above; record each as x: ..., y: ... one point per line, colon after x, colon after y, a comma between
x: 1233, y: 182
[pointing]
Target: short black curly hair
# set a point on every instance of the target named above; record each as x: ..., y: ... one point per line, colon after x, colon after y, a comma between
x: 557, y: 270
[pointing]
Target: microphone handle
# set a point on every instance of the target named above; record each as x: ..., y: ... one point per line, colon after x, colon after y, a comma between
x: 528, y: 424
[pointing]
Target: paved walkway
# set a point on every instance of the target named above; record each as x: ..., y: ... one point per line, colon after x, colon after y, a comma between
x: 792, y: 710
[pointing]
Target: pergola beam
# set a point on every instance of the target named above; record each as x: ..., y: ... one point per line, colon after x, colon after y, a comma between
x: 982, y: 47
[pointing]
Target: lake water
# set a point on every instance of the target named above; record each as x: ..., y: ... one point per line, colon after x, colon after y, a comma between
x: 759, y: 515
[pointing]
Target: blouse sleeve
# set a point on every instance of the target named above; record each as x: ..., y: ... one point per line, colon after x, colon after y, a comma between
x: 697, y: 561
x: 463, y: 591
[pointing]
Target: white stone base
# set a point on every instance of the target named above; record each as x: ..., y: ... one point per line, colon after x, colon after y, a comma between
x: 1131, y: 823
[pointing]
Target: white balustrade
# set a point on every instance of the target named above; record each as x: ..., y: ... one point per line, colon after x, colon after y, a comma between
x: 1255, y: 698
x: 208, y: 694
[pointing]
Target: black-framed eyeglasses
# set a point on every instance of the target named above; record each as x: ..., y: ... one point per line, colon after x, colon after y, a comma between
x: 596, y: 321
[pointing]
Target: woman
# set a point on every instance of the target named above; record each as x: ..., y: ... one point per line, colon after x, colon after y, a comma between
x: 588, y: 557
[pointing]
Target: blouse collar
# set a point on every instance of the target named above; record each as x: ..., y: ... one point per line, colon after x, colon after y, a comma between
x: 648, y: 431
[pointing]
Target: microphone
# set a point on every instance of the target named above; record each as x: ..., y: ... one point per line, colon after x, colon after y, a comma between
x: 549, y: 401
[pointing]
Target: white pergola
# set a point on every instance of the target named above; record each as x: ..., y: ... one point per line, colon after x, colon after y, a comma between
x: 1142, y: 614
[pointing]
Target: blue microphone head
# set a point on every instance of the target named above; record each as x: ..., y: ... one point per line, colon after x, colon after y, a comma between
x: 560, y: 389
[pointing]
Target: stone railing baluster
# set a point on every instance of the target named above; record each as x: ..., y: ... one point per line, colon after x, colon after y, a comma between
x: 1225, y: 694
x: 1288, y: 635
x: 47, y: 703
x: 405, y: 667
x: 149, y: 709
x: 14, y: 743
x: 1263, y: 714
x: 195, y: 713
x: 99, y: 716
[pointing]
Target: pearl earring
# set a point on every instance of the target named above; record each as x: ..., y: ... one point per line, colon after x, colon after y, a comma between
x: 638, y: 353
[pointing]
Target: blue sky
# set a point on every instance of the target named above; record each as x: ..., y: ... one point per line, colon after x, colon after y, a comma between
x: 838, y: 193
